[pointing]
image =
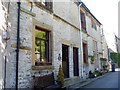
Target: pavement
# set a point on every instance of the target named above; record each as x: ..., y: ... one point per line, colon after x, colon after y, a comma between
x: 84, y: 82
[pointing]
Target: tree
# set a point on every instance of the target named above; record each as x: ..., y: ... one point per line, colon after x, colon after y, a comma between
x: 115, y: 57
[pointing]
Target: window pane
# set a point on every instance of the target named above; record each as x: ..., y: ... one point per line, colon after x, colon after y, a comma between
x: 40, y: 34
x: 37, y: 49
x: 43, y: 51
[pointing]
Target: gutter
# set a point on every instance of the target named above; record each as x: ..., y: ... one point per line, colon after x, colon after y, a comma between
x: 81, y: 45
x: 18, y: 44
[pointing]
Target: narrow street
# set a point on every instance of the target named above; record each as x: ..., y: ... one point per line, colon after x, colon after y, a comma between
x: 111, y: 80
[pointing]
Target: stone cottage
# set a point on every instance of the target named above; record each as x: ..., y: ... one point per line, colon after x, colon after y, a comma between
x: 37, y: 37
x: 43, y: 35
x: 92, y: 39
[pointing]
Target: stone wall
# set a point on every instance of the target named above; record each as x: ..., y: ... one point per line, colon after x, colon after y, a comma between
x: 68, y: 11
x: 25, y: 48
x: 65, y: 34
x: 64, y: 30
x: 3, y: 49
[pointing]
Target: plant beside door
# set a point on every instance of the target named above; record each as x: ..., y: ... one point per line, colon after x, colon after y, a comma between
x: 60, y: 77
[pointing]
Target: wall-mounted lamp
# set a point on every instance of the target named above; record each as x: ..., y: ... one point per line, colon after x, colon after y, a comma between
x: 5, y: 35
x: 59, y: 57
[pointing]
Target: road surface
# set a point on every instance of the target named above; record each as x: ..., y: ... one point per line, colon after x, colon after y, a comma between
x: 110, y: 80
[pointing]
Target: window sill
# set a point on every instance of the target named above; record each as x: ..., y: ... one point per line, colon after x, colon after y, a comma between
x: 42, y: 63
x: 47, y: 67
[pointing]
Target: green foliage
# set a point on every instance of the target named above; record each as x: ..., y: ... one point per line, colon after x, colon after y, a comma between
x: 115, y: 57
x: 60, y: 77
x: 96, y: 73
x: 40, y: 47
x: 40, y: 34
x: 92, y: 59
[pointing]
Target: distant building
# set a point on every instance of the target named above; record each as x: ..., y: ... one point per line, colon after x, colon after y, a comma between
x: 118, y: 39
x: 117, y: 42
x: 110, y: 51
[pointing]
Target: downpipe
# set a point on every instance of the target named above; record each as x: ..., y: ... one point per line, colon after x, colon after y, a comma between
x: 18, y: 44
x: 81, y: 46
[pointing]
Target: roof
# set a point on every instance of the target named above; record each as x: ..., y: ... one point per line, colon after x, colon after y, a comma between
x: 84, y: 6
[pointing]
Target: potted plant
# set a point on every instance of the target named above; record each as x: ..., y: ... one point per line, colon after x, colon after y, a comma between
x: 60, y: 77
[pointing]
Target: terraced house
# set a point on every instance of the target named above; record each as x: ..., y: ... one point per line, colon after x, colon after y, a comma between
x: 94, y: 43
x: 37, y: 37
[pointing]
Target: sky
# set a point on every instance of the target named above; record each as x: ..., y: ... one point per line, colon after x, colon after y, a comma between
x: 106, y: 11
